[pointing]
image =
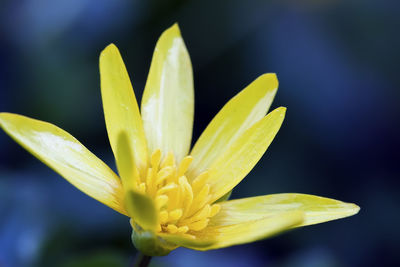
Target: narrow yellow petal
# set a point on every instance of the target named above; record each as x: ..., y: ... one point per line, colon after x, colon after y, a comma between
x: 142, y: 209
x: 67, y: 156
x: 316, y: 209
x: 168, y: 99
x: 121, y: 110
x: 125, y: 163
x: 236, y: 162
x: 239, y: 114
x: 139, y: 206
x: 248, y: 230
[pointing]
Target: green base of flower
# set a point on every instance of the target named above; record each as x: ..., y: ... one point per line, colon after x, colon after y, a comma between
x: 149, y: 243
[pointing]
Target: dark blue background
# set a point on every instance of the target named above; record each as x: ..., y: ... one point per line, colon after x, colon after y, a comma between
x: 337, y: 62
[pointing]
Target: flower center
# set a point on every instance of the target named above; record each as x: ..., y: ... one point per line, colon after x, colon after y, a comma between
x: 183, y: 206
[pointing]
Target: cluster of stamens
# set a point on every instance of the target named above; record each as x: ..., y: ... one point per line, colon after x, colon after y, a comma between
x: 183, y: 206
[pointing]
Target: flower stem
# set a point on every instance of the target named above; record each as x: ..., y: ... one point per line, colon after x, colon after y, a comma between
x: 142, y: 260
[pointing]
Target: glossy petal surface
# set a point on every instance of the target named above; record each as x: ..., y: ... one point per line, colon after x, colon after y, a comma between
x: 121, y: 110
x: 64, y: 154
x: 168, y: 99
x: 239, y: 114
x: 316, y: 209
x: 238, y: 160
x: 246, y: 230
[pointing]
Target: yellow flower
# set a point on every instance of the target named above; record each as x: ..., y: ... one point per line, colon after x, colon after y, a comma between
x: 170, y: 192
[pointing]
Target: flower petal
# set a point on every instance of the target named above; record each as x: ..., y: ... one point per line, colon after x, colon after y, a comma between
x: 168, y: 98
x: 238, y: 160
x: 142, y: 210
x: 239, y: 114
x: 126, y: 163
x: 248, y: 229
x: 121, y: 110
x: 140, y: 207
x: 250, y: 219
x: 316, y: 209
x: 65, y: 155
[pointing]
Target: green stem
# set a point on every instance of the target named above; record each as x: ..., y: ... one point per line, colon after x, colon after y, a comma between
x: 142, y: 260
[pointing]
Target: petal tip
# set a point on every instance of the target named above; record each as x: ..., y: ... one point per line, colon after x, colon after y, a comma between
x: 3, y: 115
x: 354, y: 209
x: 175, y: 28
x: 6, y: 117
x: 270, y: 76
x: 269, y: 80
x: 281, y: 110
x: 111, y: 48
x: 173, y: 31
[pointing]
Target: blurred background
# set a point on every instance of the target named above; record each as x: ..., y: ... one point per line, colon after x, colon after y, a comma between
x: 337, y: 62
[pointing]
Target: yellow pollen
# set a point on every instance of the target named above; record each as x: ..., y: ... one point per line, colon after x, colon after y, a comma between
x: 183, y: 204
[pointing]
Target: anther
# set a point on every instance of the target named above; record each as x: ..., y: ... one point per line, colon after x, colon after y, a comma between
x: 215, y: 209
x: 167, y: 188
x: 169, y: 160
x: 200, y: 181
x: 175, y: 214
x: 155, y: 159
x: 199, y: 225
x: 184, y: 165
x: 161, y: 201
x: 172, y: 228
x: 163, y: 216
x: 163, y: 174
x: 183, y: 229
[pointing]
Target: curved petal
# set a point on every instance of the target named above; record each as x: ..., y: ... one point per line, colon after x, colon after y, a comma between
x: 121, y: 110
x: 65, y: 155
x: 249, y: 229
x: 239, y: 114
x: 168, y: 98
x: 238, y: 160
x: 316, y: 209
x: 250, y: 219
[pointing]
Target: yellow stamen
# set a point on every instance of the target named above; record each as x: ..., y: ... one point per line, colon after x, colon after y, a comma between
x: 183, y: 229
x: 163, y: 217
x: 167, y: 188
x: 163, y: 174
x: 184, y: 165
x: 199, y: 225
x: 169, y: 160
x: 183, y: 207
x: 172, y: 228
x: 142, y: 188
x: 155, y: 158
x: 150, y: 181
x: 215, y: 209
x: 161, y: 201
x: 175, y: 214
x: 200, y: 181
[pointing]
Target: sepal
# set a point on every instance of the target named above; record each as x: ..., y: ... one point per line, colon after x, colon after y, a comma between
x: 149, y: 243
